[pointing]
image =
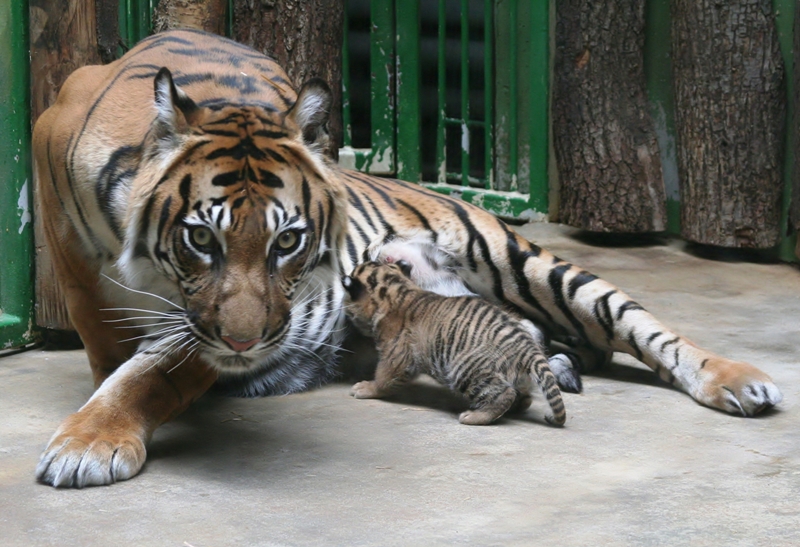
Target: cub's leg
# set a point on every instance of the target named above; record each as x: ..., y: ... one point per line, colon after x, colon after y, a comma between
x: 395, y: 368
x: 487, y: 411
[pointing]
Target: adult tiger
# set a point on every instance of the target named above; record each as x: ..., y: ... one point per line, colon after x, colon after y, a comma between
x: 209, y: 213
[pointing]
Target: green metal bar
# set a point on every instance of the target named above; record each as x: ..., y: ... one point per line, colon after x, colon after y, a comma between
x: 513, y: 139
x: 658, y: 74
x: 229, y: 18
x: 346, y: 120
x: 464, y: 92
x: 538, y: 187
x: 407, y: 74
x: 488, y: 82
x: 16, y: 205
x: 441, y: 130
x: 784, y: 18
x: 380, y: 159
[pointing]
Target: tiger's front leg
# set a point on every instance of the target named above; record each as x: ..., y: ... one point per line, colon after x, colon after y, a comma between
x: 105, y: 440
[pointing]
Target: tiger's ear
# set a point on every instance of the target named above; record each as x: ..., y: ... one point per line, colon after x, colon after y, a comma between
x: 176, y: 112
x: 311, y: 113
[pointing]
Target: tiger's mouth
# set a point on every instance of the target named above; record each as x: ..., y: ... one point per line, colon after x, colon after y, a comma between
x: 229, y: 361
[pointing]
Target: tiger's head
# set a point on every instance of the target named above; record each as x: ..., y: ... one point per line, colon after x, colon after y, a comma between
x: 234, y: 213
x: 372, y: 291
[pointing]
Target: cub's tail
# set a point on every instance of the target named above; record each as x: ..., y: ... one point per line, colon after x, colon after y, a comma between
x: 546, y: 380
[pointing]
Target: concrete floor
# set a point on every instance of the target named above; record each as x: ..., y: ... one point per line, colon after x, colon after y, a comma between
x: 637, y: 464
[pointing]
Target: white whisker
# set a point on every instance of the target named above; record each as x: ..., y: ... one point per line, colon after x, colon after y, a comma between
x: 150, y: 318
x: 162, y: 331
x: 165, y: 323
x: 189, y: 354
x: 163, y: 314
x: 143, y: 292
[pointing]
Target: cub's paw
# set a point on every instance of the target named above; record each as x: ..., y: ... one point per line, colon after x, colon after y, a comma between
x: 79, y: 456
x: 477, y: 417
x: 737, y: 388
x: 566, y: 373
x: 365, y: 390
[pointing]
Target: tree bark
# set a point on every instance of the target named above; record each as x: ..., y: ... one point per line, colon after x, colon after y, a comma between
x: 730, y: 108
x: 305, y: 37
x: 63, y: 38
x: 606, y: 149
x: 207, y: 15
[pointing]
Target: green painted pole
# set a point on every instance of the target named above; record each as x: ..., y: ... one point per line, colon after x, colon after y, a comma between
x: 407, y: 74
x: 513, y: 137
x: 658, y: 73
x: 16, y: 205
x: 346, y: 120
x: 488, y: 97
x: 441, y: 129
x: 784, y: 19
x: 539, y: 188
x: 464, y: 92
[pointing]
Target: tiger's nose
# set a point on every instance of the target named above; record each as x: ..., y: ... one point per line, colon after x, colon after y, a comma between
x: 238, y: 345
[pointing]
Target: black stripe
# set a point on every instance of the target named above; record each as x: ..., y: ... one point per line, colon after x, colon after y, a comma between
x: 226, y: 179
x: 556, y: 281
x: 581, y: 279
x: 627, y: 306
x: 270, y: 179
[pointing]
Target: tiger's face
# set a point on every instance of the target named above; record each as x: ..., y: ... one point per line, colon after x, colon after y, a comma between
x: 239, y: 212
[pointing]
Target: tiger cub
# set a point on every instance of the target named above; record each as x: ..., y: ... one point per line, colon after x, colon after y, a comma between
x: 466, y: 343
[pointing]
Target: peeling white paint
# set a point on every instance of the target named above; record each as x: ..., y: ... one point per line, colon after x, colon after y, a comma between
x: 24, y: 205
x: 464, y: 138
x: 347, y: 157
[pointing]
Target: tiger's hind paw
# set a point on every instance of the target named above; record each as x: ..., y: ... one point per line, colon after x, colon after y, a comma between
x: 737, y: 388
x: 567, y: 375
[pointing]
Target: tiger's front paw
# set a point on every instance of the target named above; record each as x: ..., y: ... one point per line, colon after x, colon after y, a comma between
x: 737, y: 388
x: 83, y: 454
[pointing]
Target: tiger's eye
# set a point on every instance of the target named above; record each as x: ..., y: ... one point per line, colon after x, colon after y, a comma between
x: 202, y: 237
x: 287, y: 240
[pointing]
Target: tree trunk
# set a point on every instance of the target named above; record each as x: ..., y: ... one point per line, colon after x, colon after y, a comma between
x: 606, y: 150
x: 305, y: 37
x: 208, y: 15
x: 62, y: 38
x: 730, y: 108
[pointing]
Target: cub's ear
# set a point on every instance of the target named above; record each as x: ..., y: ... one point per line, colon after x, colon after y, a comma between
x: 311, y: 112
x: 176, y: 112
x: 405, y: 267
x: 353, y: 286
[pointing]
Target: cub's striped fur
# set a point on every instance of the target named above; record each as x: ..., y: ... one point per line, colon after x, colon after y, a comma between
x: 466, y: 343
x: 184, y: 194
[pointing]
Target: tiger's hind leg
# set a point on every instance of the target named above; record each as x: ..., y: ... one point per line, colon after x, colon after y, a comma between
x: 488, y: 411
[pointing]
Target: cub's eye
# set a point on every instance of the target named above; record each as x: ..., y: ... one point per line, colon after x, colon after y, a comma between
x: 288, y: 241
x: 202, y: 238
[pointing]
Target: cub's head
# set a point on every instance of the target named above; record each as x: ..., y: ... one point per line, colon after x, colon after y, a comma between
x: 235, y: 210
x: 372, y: 291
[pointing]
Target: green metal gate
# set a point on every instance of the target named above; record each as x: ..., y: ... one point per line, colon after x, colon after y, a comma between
x: 16, y: 226
x: 453, y: 94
